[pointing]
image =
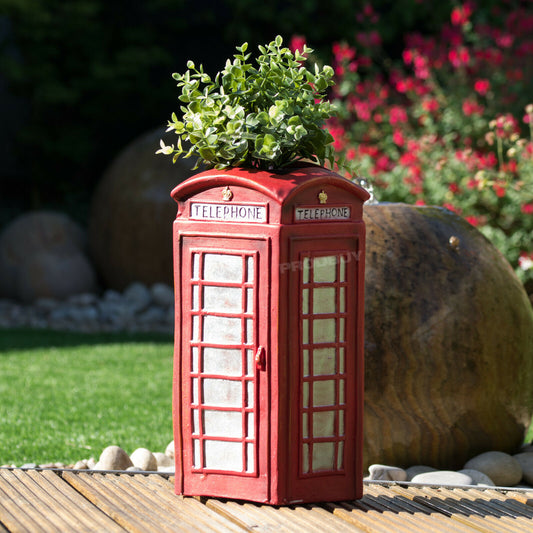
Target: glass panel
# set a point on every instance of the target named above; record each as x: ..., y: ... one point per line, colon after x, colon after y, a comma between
x: 323, y: 330
x: 342, y: 268
x: 223, y: 455
x: 305, y: 426
x: 222, y: 330
x: 323, y: 393
x: 249, y: 457
x: 305, y: 331
x: 342, y: 322
x: 324, y: 269
x: 222, y: 423
x: 305, y: 458
x: 250, y: 426
x: 305, y: 395
x: 195, y: 266
x: 196, y: 453
x: 222, y: 362
x: 306, y: 267
x: 249, y: 330
x: 324, y: 361
x: 195, y: 422
x: 194, y: 386
x: 194, y: 360
x: 341, y: 361
x: 249, y: 301
x: 222, y: 299
x: 249, y: 394
x: 323, y: 456
x: 340, y: 455
x: 306, y: 363
x: 223, y: 267
x: 324, y: 300
x: 305, y: 301
x: 342, y: 300
x: 341, y: 423
x: 222, y: 392
x: 249, y: 269
x: 323, y: 424
x: 250, y: 363
x: 195, y: 333
x: 342, y: 399
x: 195, y: 298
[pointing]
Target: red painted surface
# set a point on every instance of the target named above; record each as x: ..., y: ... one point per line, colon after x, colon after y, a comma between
x: 268, y: 360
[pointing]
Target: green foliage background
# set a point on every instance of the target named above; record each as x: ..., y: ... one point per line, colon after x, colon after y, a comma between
x: 85, y: 77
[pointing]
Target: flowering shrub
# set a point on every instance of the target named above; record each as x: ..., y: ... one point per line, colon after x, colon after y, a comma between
x: 445, y: 124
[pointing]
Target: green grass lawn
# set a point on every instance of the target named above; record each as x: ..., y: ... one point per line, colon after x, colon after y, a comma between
x: 66, y: 396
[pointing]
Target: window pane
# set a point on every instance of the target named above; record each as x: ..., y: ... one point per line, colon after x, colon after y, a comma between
x: 222, y: 392
x: 323, y: 424
x: 223, y: 455
x: 324, y: 361
x: 323, y: 393
x: 323, y: 330
x: 324, y: 269
x: 323, y: 456
x: 221, y: 361
x: 222, y: 330
x: 222, y: 423
x: 222, y: 299
x: 223, y: 267
x: 324, y: 300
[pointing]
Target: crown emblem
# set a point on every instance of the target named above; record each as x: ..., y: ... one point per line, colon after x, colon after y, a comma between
x: 322, y: 197
x: 227, y: 195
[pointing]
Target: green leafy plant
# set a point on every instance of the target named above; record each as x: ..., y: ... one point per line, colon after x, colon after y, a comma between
x: 265, y: 116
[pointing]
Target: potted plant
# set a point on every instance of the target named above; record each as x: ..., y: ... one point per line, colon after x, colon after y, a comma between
x: 265, y: 116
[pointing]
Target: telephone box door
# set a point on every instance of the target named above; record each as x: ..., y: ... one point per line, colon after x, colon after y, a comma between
x: 325, y: 376
x: 224, y: 365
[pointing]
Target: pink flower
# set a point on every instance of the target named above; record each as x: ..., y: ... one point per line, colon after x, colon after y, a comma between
x: 471, y: 107
x: 459, y: 56
x: 475, y: 221
x: 482, y: 86
x: 430, y: 105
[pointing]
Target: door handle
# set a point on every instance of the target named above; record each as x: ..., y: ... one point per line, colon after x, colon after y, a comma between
x: 260, y: 358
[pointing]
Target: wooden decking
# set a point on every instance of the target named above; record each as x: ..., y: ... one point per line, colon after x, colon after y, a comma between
x: 78, y: 501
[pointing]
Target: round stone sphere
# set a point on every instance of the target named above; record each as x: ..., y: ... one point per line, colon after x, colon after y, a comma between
x: 43, y: 255
x: 448, y: 341
x: 130, y: 223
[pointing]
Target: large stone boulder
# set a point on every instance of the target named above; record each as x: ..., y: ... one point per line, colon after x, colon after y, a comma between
x: 130, y: 225
x: 448, y: 341
x: 43, y: 255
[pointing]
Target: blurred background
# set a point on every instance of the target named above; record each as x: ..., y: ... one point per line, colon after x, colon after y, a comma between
x: 81, y: 80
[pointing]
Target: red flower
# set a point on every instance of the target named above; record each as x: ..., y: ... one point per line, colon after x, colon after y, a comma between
x: 397, y: 138
x: 482, y: 86
x: 475, y: 221
x: 397, y: 114
x: 297, y: 43
x: 430, y: 105
x: 471, y: 107
x: 460, y: 15
x: 459, y: 56
x: 527, y: 209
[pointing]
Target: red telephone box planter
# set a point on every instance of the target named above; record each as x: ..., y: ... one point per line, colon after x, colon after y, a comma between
x: 268, y: 360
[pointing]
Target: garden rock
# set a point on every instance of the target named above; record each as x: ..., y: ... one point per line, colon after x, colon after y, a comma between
x: 386, y: 473
x: 144, y: 459
x: 503, y: 469
x: 526, y: 463
x: 43, y: 255
x: 479, y: 478
x: 163, y: 460
x: 113, y: 458
x: 130, y: 223
x: 413, y: 471
x: 442, y: 383
x: 170, y: 450
x: 443, y: 477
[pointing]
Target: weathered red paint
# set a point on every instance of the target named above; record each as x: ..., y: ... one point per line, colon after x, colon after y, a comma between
x: 271, y: 412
